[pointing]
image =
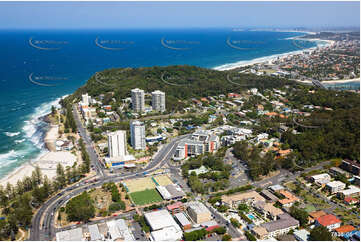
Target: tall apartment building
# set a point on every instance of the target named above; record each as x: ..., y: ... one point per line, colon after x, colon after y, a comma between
x: 117, y: 144
x: 85, y: 98
x: 137, y: 135
x: 158, y: 101
x: 137, y: 99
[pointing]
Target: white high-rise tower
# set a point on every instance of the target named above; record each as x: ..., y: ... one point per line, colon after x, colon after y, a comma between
x: 117, y: 144
x: 137, y: 135
x: 158, y: 101
x: 137, y: 100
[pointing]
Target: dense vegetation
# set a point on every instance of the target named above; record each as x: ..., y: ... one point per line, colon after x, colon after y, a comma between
x: 80, y: 208
x: 178, y: 82
x: 215, y: 179
x: 338, y: 134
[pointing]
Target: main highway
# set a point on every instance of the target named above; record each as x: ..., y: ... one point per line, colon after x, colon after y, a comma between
x: 42, y: 227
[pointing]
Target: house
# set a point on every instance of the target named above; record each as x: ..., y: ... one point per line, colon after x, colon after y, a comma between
x: 335, y: 186
x: 344, y: 230
x: 350, y: 200
x: 276, y: 188
x: 329, y: 221
x: 315, y: 215
x: 289, y: 200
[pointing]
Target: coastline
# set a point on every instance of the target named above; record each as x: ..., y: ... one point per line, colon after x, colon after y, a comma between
x: 46, y: 160
x: 243, y: 63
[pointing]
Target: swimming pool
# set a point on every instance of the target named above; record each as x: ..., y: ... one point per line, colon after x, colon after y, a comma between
x: 250, y: 216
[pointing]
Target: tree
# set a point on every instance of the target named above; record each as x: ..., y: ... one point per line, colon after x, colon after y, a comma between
x: 299, y: 214
x: 80, y: 208
x: 60, y: 175
x: 226, y: 237
x: 235, y: 222
x: 320, y: 233
x: 53, y: 110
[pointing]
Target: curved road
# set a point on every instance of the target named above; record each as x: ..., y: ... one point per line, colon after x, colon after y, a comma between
x: 46, y: 230
x: 42, y: 227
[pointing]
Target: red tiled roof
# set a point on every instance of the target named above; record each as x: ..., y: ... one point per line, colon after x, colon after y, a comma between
x: 328, y: 219
x: 345, y: 229
x: 350, y: 199
x: 174, y: 205
x: 212, y: 227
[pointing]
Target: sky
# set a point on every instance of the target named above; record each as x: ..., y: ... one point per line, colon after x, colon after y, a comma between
x: 122, y: 15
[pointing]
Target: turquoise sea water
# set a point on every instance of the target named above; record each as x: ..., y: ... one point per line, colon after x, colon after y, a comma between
x: 38, y: 67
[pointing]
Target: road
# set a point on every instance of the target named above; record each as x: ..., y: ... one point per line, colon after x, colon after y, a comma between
x: 88, y: 143
x: 43, y: 222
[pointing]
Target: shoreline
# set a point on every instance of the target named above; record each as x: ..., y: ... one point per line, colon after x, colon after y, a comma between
x: 333, y: 81
x: 270, y: 58
x: 26, y: 169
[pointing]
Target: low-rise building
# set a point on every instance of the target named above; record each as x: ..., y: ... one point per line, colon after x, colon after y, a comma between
x: 70, y: 235
x: 267, y: 210
x: 198, y: 212
x: 335, y: 186
x: 183, y: 221
x: 289, y: 200
x: 174, y: 208
x: 344, y: 230
x: 329, y: 221
x: 315, y: 215
x: 321, y: 179
x: 119, y: 230
x: 335, y: 171
x: 163, y: 226
x: 283, y: 225
x: 245, y: 197
x: 301, y: 235
x: 351, y: 191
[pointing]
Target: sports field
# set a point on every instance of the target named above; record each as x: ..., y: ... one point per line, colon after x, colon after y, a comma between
x: 145, y: 197
x: 139, y: 184
x: 163, y: 180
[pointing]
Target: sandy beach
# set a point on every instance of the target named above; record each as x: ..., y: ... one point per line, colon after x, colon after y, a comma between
x: 333, y: 81
x: 51, y: 136
x: 47, y: 163
x: 271, y: 58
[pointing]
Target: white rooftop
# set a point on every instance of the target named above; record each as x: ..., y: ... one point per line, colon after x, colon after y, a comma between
x: 160, y: 219
x: 70, y: 235
x: 167, y: 234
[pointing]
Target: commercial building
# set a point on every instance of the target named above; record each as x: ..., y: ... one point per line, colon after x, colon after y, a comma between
x: 163, y: 226
x: 117, y: 144
x: 94, y: 232
x: 183, y: 221
x: 329, y: 221
x: 70, y: 235
x: 158, y: 101
x: 335, y: 186
x: 198, y: 212
x: 177, y: 207
x: 137, y: 100
x: 137, y: 135
x: 118, y: 230
x: 201, y: 141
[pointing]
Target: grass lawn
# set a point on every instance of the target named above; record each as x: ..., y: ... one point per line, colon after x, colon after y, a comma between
x: 145, y: 197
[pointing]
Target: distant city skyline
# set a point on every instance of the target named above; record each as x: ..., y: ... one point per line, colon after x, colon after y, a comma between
x: 125, y: 15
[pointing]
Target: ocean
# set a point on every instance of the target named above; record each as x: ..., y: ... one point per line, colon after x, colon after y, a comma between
x: 39, y: 67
